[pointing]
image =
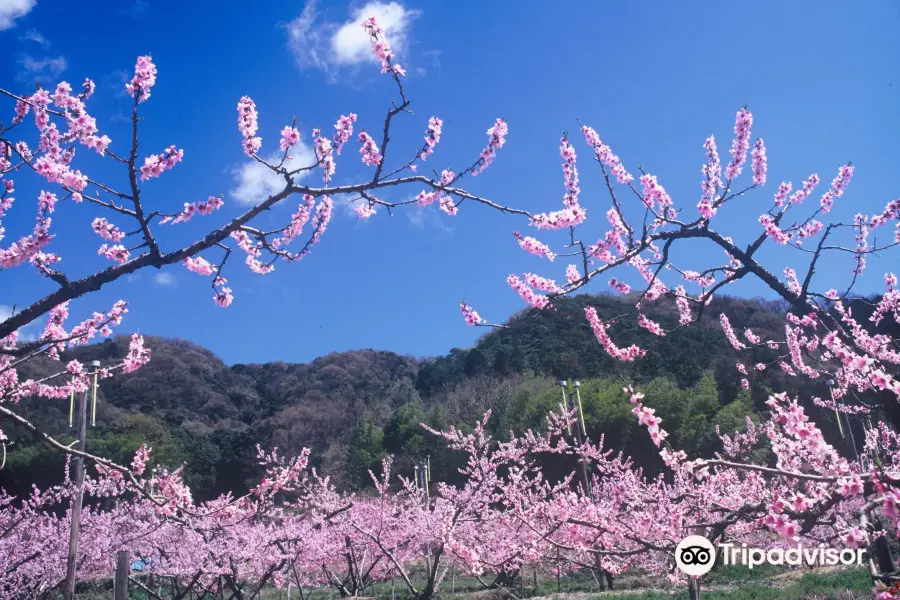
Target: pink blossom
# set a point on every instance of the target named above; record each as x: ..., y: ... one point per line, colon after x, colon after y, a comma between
x: 533, y: 246
x: 137, y: 354
x: 527, y: 294
x: 838, y: 185
x: 729, y: 333
x: 432, y: 136
x: 600, y: 332
x: 324, y: 155
x: 199, y: 265
x: 605, y: 155
x: 447, y: 206
x: 381, y: 48
x: 107, y: 230
x: 802, y: 194
x: 472, y: 317
x: 247, y: 125
x: 619, y: 286
x: 740, y: 144
x: 364, y: 211
x: 289, y: 138
x: 343, y: 131
x: 144, y: 79
x: 650, y: 325
x: 654, y: 194
x: 117, y: 253
x: 156, y: 164
x: 496, y: 138
x: 783, y: 190
x: 369, y: 151
x: 759, y: 162
x: 712, y: 179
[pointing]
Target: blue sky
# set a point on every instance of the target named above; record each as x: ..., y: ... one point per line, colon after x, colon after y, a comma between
x: 822, y: 79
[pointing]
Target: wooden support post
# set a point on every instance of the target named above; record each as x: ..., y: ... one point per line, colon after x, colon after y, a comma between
x: 77, y: 502
x: 123, y: 569
x: 693, y: 588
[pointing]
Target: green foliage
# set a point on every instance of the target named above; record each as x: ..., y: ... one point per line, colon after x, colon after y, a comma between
x: 353, y: 408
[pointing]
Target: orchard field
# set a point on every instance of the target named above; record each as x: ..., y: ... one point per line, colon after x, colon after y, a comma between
x: 614, y: 438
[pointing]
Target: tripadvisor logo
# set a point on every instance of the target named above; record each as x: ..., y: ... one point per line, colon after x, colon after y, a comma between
x: 695, y: 556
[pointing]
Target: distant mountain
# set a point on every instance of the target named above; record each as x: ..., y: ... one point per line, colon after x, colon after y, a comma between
x: 353, y: 407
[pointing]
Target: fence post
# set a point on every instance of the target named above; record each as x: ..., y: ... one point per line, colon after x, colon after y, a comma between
x: 693, y: 588
x: 558, y: 571
x: 120, y: 583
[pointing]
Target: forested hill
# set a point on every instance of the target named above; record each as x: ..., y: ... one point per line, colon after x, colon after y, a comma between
x: 353, y: 407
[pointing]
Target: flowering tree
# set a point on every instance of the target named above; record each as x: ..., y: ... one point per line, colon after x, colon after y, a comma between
x: 132, y: 224
x: 646, y: 229
x: 298, y: 529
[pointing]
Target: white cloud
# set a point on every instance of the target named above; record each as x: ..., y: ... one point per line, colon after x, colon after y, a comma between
x: 33, y: 35
x: 24, y: 335
x: 326, y: 44
x: 10, y: 10
x: 426, y: 217
x: 254, y: 181
x: 46, y: 69
x: 164, y: 279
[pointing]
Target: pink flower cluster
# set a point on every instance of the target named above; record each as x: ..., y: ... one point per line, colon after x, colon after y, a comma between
x: 533, y: 246
x: 527, y: 294
x: 542, y: 283
x: 28, y: 246
x: 650, y: 325
x: 289, y: 138
x: 684, y: 306
x: 472, y: 317
x: 248, y: 126
x: 647, y: 417
x: 712, y: 179
x: 199, y: 265
x: 740, y: 144
x: 223, y: 296
x: 802, y: 194
x: 139, y: 86
x: 600, y: 332
x: 655, y: 195
x: 432, y: 136
x: 496, y: 138
x: 567, y: 217
x: 619, y: 286
x: 838, y: 185
x: 204, y: 207
x: 369, y: 150
x: 117, y: 253
x: 324, y: 155
x: 773, y: 230
x: 729, y: 333
x: 343, y: 131
x: 155, y: 164
x: 759, y: 162
x: 606, y: 156
x: 107, y: 230
x: 380, y: 47
x: 570, y: 173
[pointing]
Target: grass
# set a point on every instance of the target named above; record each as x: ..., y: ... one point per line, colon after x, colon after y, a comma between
x: 854, y: 584
x: 726, y: 583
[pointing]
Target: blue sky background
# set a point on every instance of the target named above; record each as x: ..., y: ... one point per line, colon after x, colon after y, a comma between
x: 654, y: 79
